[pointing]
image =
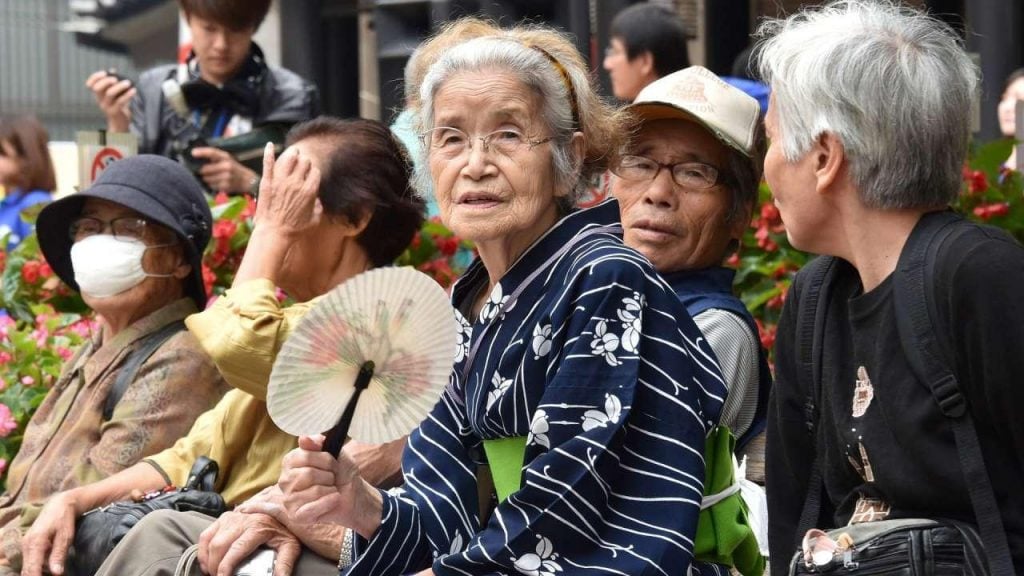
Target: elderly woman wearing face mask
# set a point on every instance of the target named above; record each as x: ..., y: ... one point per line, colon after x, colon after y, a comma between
x: 131, y: 244
x: 578, y: 380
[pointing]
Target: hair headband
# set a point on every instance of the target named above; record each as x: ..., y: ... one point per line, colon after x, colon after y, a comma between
x: 568, y: 83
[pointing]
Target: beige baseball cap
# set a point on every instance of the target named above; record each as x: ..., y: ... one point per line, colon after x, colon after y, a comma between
x: 696, y: 93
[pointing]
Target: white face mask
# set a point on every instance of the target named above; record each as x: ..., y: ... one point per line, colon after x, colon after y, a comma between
x: 105, y: 266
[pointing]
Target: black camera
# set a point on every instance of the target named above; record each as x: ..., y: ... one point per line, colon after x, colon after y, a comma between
x: 191, y: 162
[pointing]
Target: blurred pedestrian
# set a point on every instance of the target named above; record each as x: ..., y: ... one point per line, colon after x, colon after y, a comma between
x: 26, y: 173
x: 1012, y: 93
x: 648, y: 41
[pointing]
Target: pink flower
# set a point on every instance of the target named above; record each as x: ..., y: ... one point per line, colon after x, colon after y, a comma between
x: 3, y: 386
x: 8, y: 423
x: 27, y: 381
x: 5, y: 357
x: 64, y: 353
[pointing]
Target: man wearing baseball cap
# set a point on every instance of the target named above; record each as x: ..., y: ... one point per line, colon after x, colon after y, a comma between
x: 132, y: 244
x: 686, y: 185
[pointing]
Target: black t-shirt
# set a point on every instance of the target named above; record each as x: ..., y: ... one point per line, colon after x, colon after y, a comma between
x: 889, y: 451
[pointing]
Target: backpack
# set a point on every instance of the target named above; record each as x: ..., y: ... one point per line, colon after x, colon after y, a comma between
x: 928, y: 351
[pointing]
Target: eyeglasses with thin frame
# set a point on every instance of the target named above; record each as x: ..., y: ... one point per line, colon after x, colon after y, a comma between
x: 688, y: 175
x: 123, y: 228
x: 451, y: 142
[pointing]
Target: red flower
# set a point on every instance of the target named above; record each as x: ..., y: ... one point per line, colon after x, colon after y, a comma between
x: 224, y: 229
x: 447, y: 246
x: 30, y: 271
x: 767, y: 334
x: 250, y: 208
x: 416, y: 241
x: 220, y: 198
x: 986, y: 211
x: 977, y: 182
x: 209, y: 279
x: 44, y: 270
x: 734, y: 260
x: 770, y: 212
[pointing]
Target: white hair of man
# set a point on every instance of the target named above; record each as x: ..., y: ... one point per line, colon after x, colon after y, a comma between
x: 893, y: 84
x: 537, y: 72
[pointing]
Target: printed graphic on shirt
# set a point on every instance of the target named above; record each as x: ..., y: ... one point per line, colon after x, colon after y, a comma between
x: 867, y: 509
x: 870, y: 510
x: 863, y: 393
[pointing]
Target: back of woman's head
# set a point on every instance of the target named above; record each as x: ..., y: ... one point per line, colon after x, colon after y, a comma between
x: 548, y: 63
x: 28, y: 138
x: 366, y: 172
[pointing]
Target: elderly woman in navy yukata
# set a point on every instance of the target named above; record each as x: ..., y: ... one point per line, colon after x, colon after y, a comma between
x: 577, y: 368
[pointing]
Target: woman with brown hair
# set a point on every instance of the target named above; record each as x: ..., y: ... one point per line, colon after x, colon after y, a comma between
x: 26, y: 173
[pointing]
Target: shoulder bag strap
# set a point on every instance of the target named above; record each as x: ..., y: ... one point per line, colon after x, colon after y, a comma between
x: 816, y: 285
x: 136, y: 358
x: 927, y: 351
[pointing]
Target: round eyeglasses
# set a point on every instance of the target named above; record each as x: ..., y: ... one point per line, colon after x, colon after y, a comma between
x: 451, y: 142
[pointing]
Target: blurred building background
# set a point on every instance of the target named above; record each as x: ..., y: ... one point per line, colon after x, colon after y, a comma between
x: 355, y: 50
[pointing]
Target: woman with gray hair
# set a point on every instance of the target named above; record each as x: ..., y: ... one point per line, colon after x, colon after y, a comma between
x: 577, y: 380
x: 869, y: 132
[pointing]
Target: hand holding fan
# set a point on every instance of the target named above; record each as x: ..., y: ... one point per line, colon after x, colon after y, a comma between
x: 369, y: 360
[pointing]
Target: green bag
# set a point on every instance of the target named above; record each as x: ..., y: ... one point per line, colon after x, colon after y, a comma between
x: 723, y: 534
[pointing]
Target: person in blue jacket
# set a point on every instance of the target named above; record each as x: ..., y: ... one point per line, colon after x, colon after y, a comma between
x: 26, y: 173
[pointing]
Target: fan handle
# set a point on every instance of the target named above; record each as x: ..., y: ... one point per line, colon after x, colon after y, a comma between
x: 336, y: 436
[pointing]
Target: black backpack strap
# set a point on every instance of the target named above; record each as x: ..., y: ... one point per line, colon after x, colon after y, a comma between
x: 816, y: 279
x: 927, y: 350
x: 147, y: 346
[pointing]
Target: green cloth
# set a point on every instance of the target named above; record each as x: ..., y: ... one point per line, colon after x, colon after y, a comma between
x: 505, y: 457
x: 724, y: 535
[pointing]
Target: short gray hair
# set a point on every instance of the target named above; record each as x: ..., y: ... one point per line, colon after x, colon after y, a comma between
x: 535, y: 70
x: 892, y: 83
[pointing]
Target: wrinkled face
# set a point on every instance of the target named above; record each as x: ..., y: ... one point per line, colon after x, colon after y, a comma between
x: 674, y: 227
x: 493, y: 196
x: 1008, y: 107
x: 220, y: 50
x: 793, y: 186
x: 628, y: 76
x: 10, y: 166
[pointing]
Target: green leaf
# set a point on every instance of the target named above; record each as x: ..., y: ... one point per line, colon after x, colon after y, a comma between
x: 228, y: 210
x: 991, y: 156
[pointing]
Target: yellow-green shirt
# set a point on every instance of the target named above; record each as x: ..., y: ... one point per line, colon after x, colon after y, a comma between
x: 242, y: 331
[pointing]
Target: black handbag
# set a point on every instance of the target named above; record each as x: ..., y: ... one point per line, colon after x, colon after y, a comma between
x: 99, y: 530
x: 896, y: 547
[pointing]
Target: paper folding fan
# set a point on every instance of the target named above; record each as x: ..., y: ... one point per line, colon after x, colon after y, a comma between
x: 369, y: 360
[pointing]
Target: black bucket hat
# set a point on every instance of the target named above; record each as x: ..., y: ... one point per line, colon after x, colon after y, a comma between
x: 158, y: 188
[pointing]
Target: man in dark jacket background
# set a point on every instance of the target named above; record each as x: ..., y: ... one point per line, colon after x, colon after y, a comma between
x: 224, y: 89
